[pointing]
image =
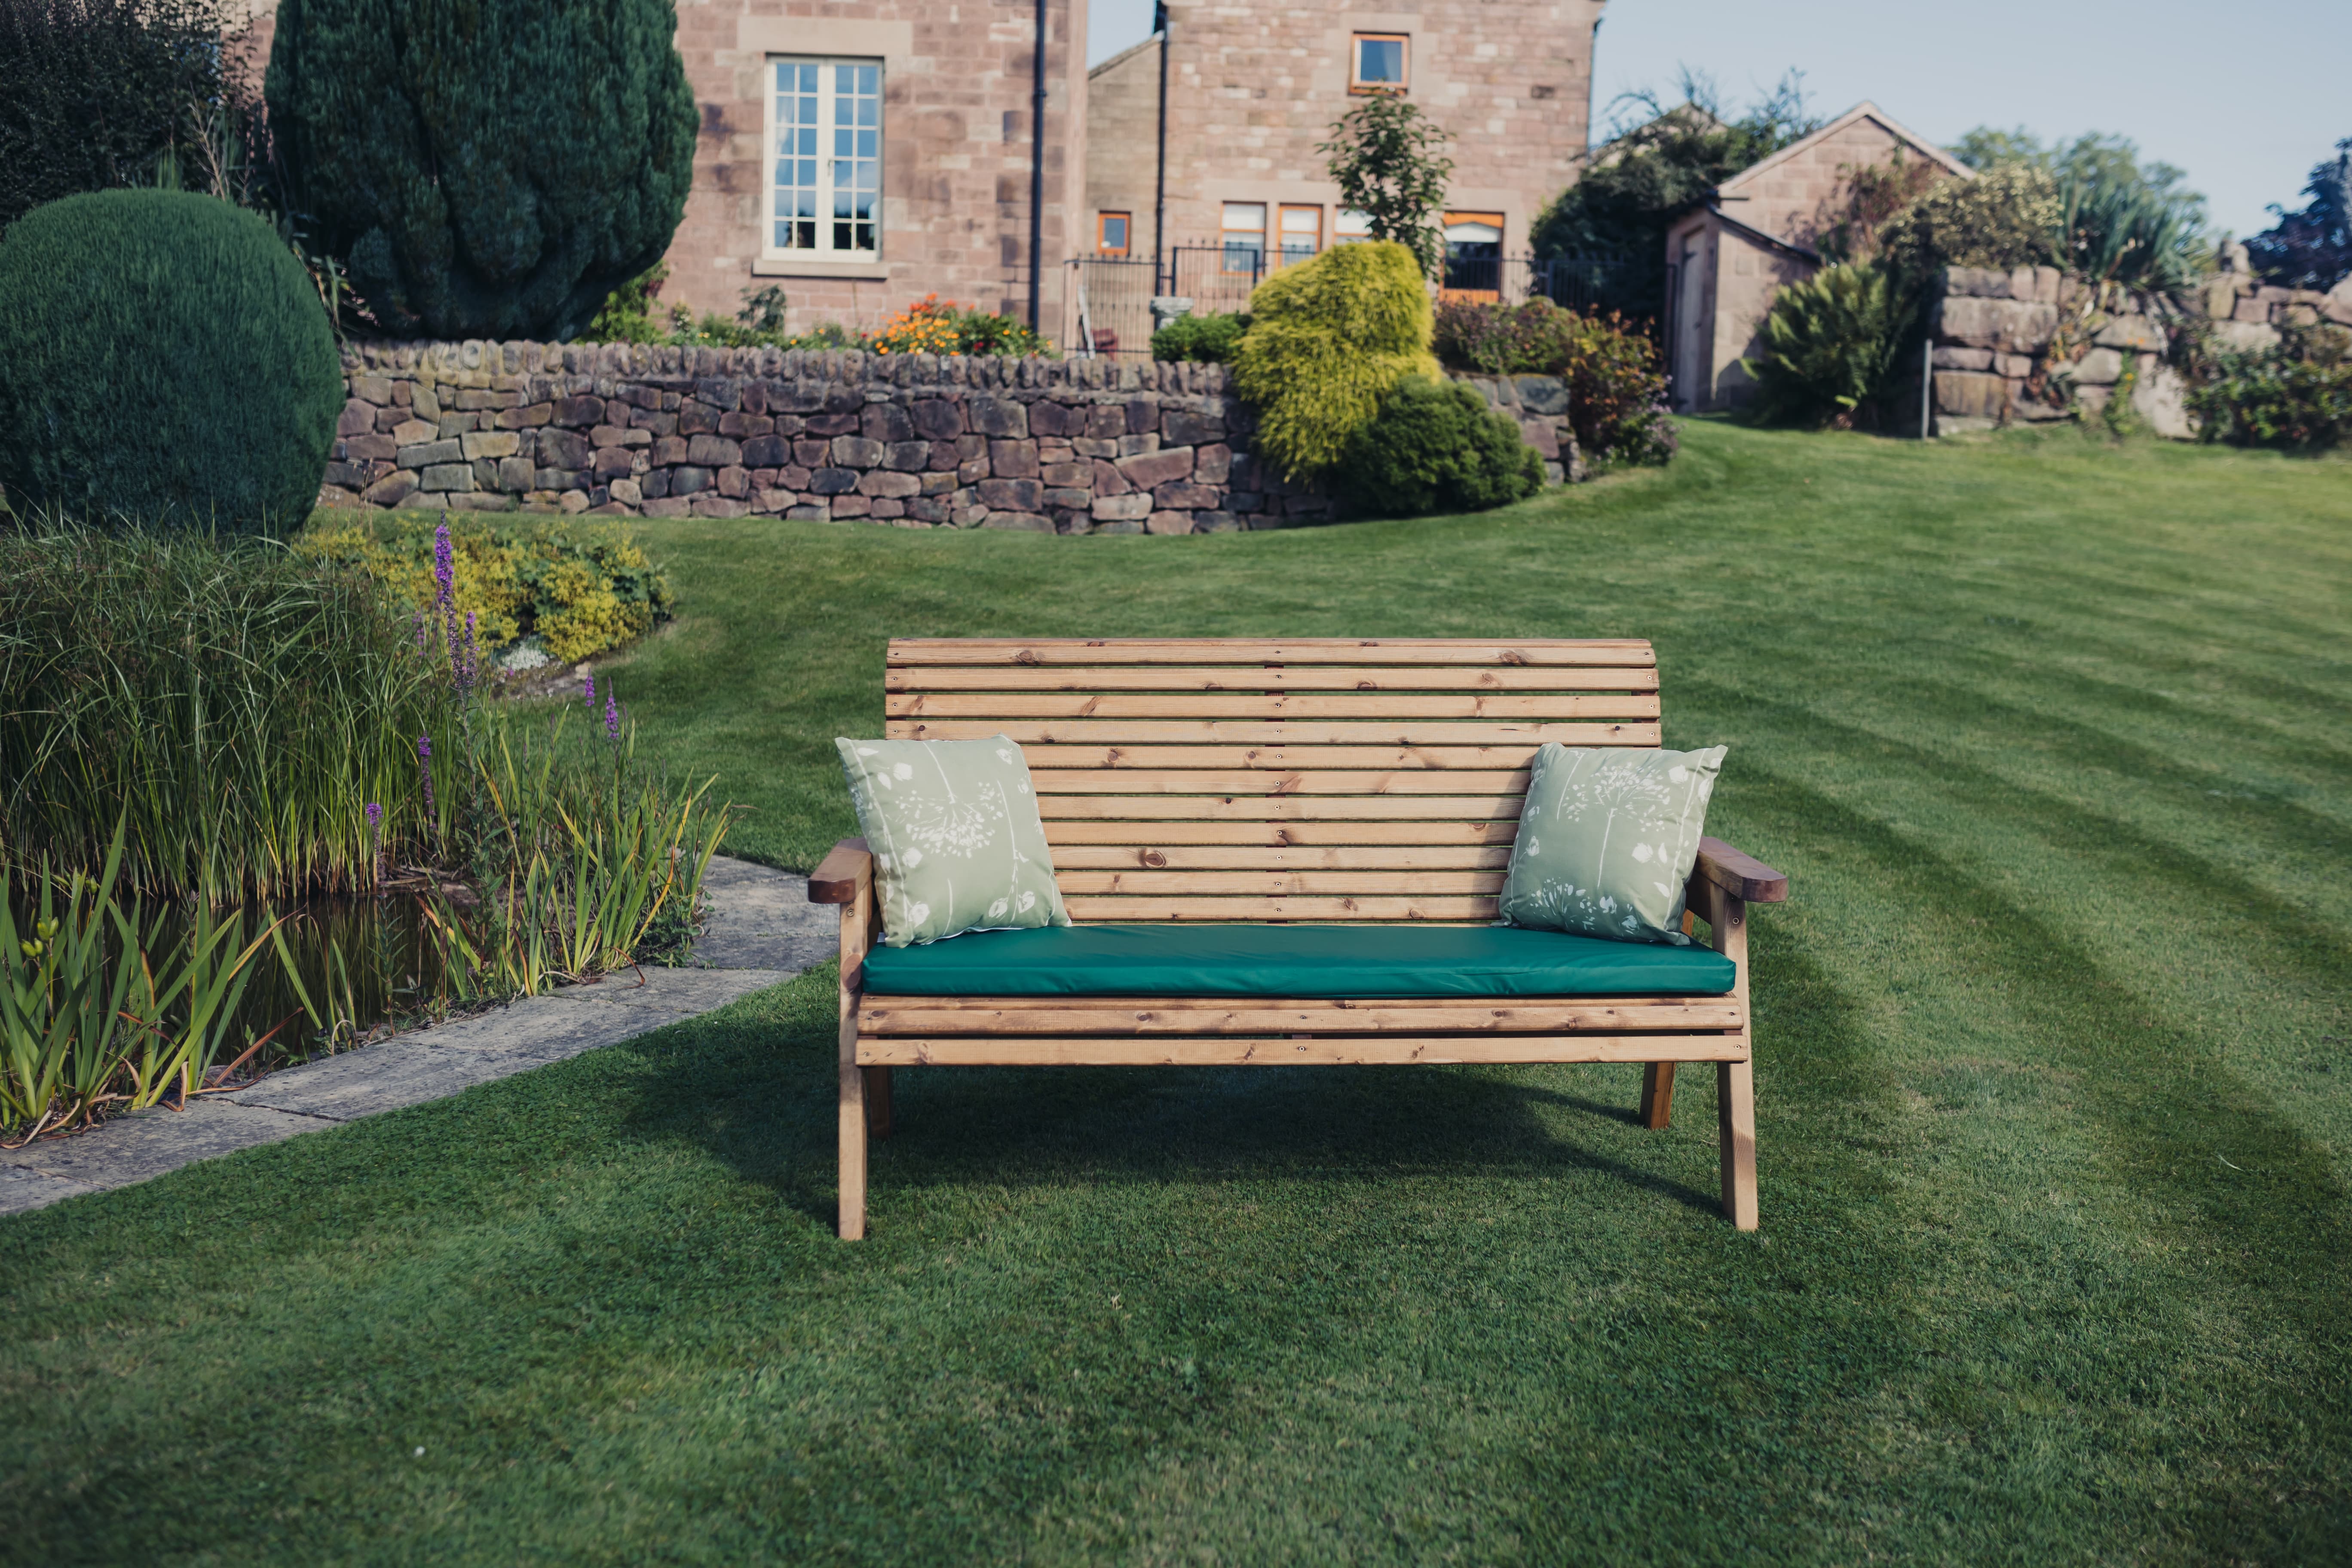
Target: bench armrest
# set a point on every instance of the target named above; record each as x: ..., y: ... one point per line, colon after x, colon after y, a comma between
x: 847, y: 871
x: 1741, y: 876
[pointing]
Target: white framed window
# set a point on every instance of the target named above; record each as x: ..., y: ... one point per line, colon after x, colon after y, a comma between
x: 1351, y: 228
x: 1302, y: 234
x: 825, y: 144
x: 1244, y: 233
x: 1378, y: 63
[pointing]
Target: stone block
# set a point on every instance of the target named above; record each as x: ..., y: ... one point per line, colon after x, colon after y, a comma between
x: 856, y: 452
x: 1181, y: 427
x: 886, y: 510
x: 626, y: 493
x: 714, y: 451
x: 1053, y: 418
x: 517, y: 473
x: 452, y: 425
x: 392, y: 490
x: 695, y: 418
x: 929, y: 509
x: 1087, y: 446
x: 1546, y: 395
x: 357, y: 419
x: 968, y: 516
x: 739, y: 426
x: 352, y: 478
x: 2008, y: 326
x: 655, y: 483
x: 1023, y: 521
x: 562, y: 479
x: 1011, y: 495
x: 886, y: 423
x: 1976, y: 282
x: 415, y: 432
x: 1134, y: 446
x: 1070, y: 500
x: 812, y: 453
x: 425, y: 399
x: 767, y: 451
x: 1137, y: 505
x: 486, y: 474
x: 669, y: 506
x: 453, y: 477
x: 2246, y: 337
x: 492, y: 442
x: 851, y: 506
x: 812, y: 512
x: 2138, y: 333
x: 1146, y: 470
x: 881, y: 482
x: 652, y: 419
x: 908, y: 456
x: 614, y: 462
x: 768, y: 499
x: 1951, y: 357
x: 371, y: 448
x: 719, y: 506
x: 601, y: 436
x: 972, y: 472
x: 1065, y: 474
x: 1184, y: 496
x: 937, y: 484
x: 1169, y: 523
x: 577, y: 411
x: 2162, y: 398
x: 793, y: 478
x: 1013, y: 460
x: 530, y: 418
x: 1215, y: 523
x: 429, y: 452
x: 477, y: 501
x: 563, y: 448
x: 2099, y: 367
x: 999, y: 416
x: 1970, y: 393
x: 1142, y: 415
x: 2016, y: 367
x: 1104, y: 422
x: 687, y: 480
x: 734, y: 482
x: 937, y: 420
x: 668, y: 449
x: 1543, y: 435
x: 833, y: 481
x: 1108, y: 481
x: 2251, y: 309
x: 375, y: 389
x: 1116, y: 525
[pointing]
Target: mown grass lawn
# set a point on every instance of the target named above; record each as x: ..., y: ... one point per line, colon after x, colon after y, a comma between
x: 2054, y: 1101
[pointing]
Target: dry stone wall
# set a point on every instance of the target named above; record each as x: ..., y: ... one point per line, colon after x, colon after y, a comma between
x: 1080, y: 446
x: 2033, y: 345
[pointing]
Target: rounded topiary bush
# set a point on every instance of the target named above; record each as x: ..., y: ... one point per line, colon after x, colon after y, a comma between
x: 1435, y: 446
x: 1326, y: 338
x: 167, y: 363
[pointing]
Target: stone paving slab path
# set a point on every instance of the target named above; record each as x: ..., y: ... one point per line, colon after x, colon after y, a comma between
x: 759, y: 930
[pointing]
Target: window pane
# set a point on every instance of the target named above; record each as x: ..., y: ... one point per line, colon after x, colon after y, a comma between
x: 1379, y: 61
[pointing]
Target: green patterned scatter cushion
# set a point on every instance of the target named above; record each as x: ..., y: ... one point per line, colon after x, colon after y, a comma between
x: 1607, y: 841
x: 958, y: 844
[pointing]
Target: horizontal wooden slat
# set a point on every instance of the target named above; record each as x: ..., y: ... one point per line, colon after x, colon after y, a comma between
x: 1277, y: 807
x: 1230, y: 1016
x: 1294, y: 781
x: 890, y: 1051
x: 1068, y: 858
x: 1275, y: 759
x: 1078, y: 732
x: 1401, y: 884
x: 1232, y: 705
x: 1247, y: 677
x: 1493, y: 830
x: 1267, y: 650
x: 1438, y: 907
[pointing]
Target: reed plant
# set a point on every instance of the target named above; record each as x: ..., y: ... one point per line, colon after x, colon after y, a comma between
x: 236, y: 708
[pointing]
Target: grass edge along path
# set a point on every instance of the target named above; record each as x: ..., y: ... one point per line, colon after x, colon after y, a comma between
x: 2052, y: 1098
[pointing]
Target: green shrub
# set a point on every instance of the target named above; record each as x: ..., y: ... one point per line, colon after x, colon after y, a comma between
x: 1210, y: 339
x: 167, y: 361
x: 2298, y: 396
x: 2006, y: 216
x: 1829, y: 342
x: 487, y: 168
x: 579, y: 588
x: 1616, y: 387
x: 1326, y: 338
x: 1435, y: 446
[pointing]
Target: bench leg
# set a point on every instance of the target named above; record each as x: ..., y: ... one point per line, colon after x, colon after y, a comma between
x: 1657, y: 1094
x: 1735, y: 1097
x: 853, y: 1153
x: 878, y: 1102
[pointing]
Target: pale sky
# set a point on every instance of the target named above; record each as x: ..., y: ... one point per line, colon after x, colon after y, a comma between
x: 2245, y: 97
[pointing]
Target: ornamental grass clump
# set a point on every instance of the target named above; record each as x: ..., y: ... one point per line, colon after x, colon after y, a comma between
x: 1327, y: 340
x: 1828, y: 344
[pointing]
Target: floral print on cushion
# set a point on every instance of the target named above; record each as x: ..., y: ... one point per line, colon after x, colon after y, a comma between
x: 958, y: 843
x: 1607, y: 840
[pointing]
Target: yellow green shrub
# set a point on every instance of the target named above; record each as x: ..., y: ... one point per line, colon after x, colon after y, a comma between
x: 579, y: 588
x: 1327, y: 340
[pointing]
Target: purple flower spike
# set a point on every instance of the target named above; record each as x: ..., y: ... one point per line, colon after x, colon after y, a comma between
x: 611, y: 717
x: 445, y: 563
x: 375, y: 815
x: 588, y: 687
x: 423, y: 748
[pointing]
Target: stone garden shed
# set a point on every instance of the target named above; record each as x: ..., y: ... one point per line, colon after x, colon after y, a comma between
x: 1756, y: 231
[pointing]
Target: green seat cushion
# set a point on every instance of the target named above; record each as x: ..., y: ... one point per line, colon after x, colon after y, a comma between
x: 1317, y: 961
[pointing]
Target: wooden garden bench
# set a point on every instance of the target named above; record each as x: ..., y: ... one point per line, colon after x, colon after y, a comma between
x: 1316, y: 780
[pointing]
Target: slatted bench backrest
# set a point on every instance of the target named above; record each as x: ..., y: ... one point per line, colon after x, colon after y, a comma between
x: 1303, y: 779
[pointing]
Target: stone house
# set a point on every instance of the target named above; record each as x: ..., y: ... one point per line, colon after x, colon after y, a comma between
x: 1251, y: 89
x: 1758, y: 231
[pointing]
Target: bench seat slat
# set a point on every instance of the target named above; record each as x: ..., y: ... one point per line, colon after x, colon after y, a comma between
x: 1360, y: 705
x: 1279, y: 808
x: 1322, y: 1050
x: 1267, y: 650
x: 1260, y: 678
x: 1268, y: 883
x: 1293, y: 781
x: 1469, y: 909
x: 1260, y: 830
x: 1144, y: 759
x: 1049, y: 735
x: 1281, y: 858
x: 949, y: 1015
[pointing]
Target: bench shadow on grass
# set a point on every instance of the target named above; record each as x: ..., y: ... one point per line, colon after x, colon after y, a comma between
x: 758, y: 1094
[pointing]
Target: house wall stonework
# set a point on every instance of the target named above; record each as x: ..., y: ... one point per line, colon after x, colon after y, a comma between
x: 916, y: 440
x: 1123, y: 143
x: 1252, y: 88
